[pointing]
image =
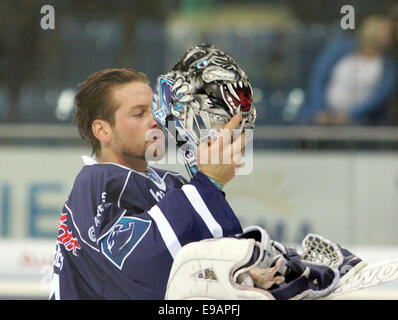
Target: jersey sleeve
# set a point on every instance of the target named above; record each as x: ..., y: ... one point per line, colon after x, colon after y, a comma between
x: 198, y: 210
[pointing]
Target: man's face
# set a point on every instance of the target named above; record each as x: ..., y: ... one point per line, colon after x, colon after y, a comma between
x: 385, y: 34
x: 131, y: 133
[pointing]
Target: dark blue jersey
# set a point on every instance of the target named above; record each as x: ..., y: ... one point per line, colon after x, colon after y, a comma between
x: 120, y: 230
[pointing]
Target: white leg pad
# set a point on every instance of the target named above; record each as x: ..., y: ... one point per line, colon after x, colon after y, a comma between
x: 207, y: 270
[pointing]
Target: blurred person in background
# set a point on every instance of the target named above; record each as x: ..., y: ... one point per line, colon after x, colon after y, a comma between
x: 354, y: 77
x: 392, y: 105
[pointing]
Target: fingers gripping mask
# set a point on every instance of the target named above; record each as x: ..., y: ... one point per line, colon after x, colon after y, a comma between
x: 199, y: 95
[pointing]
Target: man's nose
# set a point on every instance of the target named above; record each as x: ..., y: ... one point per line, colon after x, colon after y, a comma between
x: 152, y: 123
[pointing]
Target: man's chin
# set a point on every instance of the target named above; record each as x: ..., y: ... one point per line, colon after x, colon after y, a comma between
x: 154, y: 152
x: 155, y: 156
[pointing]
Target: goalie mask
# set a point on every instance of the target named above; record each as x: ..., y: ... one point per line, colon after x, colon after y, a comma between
x: 199, y: 95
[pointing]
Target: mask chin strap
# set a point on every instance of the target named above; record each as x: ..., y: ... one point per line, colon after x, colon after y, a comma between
x: 186, y: 143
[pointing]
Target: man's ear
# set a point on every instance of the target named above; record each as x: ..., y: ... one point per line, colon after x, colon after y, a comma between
x: 102, y: 131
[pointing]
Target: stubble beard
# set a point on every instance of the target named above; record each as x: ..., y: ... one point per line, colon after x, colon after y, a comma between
x: 129, y: 154
x: 149, y: 152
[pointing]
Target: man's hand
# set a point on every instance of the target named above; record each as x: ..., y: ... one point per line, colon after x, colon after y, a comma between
x: 220, y: 158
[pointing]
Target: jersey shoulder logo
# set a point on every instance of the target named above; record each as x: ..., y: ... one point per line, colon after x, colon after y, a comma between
x: 122, y: 239
x: 65, y: 236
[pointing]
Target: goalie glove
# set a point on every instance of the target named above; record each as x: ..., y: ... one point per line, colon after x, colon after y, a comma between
x: 304, y: 279
x: 283, y: 273
x: 319, y: 250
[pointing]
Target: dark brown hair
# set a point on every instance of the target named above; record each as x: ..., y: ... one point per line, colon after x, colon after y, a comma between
x: 94, y: 100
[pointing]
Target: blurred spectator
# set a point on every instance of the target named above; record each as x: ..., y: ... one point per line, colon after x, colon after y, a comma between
x: 392, y: 107
x: 353, y: 78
